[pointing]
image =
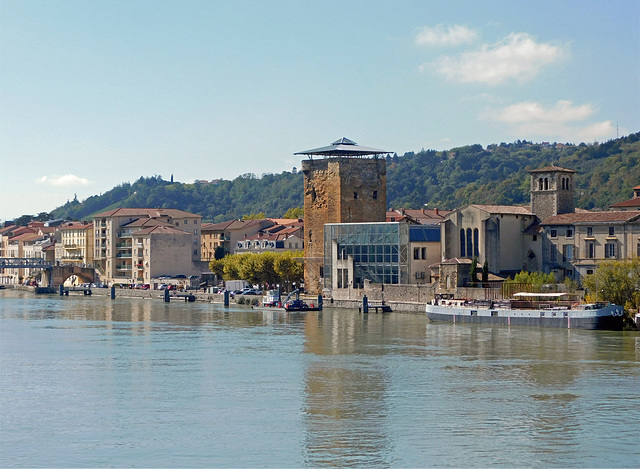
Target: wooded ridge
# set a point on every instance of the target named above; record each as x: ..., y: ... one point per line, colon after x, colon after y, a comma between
x: 605, y: 173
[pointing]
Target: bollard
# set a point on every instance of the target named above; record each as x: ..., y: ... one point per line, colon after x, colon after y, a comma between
x: 319, y: 302
x: 61, y: 290
x: 113, y: 293
x: 365, y: 304
x: 226, y: 298
x: 166, y: 296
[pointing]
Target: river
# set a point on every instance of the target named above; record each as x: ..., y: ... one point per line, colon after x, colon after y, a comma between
x: 96, y: 382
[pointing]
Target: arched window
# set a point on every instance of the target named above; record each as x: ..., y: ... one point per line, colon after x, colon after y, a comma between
x: 546, y: 184
x: 476, y: 248
x: 540, y: 184
x: 469, y: 243
x: 463, y: 244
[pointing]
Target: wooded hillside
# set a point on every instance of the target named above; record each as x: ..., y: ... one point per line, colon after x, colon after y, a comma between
x: 606, y: 173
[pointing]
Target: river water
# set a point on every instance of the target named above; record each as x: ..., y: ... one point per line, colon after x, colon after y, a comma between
x: 95, y: 382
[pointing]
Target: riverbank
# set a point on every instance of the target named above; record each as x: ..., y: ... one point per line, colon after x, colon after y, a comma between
x: 396, y: 306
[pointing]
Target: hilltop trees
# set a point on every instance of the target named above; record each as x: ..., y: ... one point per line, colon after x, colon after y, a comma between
x: 498, y: 174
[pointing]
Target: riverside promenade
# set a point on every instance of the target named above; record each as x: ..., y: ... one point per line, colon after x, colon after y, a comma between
x: 396, y: 306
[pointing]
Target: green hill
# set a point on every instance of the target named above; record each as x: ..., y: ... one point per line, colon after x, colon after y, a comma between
x: 606, y: 173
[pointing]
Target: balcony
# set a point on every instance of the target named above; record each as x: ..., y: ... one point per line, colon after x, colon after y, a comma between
x: 70, y: 245
x: 124, y: 267
x: 125, y: 234
x: 124, y: 255
x: 124, y: 245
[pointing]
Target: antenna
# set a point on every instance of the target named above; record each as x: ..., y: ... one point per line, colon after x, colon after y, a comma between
x: 617, y: 135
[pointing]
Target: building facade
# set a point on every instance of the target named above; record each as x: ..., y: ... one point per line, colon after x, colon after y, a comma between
x: 76, y: 244
x: 388, y: 252
x: 114, y: 232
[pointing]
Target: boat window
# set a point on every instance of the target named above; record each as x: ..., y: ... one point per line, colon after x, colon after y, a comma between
x: 494, y: 313
x: 474, y: 313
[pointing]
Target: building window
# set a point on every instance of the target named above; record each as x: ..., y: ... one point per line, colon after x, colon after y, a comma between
x: 638, y: 253
x: 355, y: 195
x: 195, y: 232
x: 591, y: 250
x: 554, y: 233
x: 476, y: 249
x: 463, y: 243
x: 375, y: 195
x: 612, y: 231
x: 554, y: 253
x: 589, y: 271
x: 195, y: 252
x: 424, y: 253
x: 469, y: 243
x: 416, y: 253
x: 569, y: 232
x: 610, y: 250
x: 567, y: 252
x: 535, y: 238
x: 589, y: 232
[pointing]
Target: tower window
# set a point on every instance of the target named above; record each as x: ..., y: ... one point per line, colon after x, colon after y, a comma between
x: 375, y: 195
x: 355, y: 195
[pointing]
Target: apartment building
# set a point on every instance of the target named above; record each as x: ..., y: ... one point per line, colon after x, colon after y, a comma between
x: 227, y: 234
x: 162, y: 250
x: 576, y: 242
x: 114, y: 232
x: 76, y: 244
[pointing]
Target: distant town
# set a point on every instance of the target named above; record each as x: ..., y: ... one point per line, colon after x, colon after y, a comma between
x: 349, y: 242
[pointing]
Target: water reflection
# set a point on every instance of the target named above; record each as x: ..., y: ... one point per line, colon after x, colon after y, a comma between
x: 238, y: 387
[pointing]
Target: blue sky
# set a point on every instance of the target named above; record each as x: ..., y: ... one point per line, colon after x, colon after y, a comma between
x: 94, y: 94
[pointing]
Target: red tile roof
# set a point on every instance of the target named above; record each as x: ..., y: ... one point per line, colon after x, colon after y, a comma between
x: 635, y: 202
x: 149, y: 212
x: 593, y: 217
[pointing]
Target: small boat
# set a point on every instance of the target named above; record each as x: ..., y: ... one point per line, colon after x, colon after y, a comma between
x: 272, y: 302
x: 528, y: 309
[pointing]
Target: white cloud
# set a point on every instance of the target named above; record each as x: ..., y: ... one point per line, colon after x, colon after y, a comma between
x: 562, y: 122
x: 529, y: 111
x: 66, y: 180
x: 517, y: 57
x: 449, y: 36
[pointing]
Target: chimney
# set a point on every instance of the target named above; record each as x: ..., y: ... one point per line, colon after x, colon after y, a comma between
x: 437, y: 211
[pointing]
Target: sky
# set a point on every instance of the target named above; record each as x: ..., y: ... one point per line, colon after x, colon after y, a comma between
x: 95, y: 94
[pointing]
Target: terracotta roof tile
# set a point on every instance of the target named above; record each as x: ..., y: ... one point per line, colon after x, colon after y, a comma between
x: 593, y: 217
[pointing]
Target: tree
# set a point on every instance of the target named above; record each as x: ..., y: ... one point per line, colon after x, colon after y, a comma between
x: 536, y: 279
x: 217, y: 267
x: 294, y: 213
x: 473, y: 273
x: 288, y: 268
x: 219, y: 253
x: 617, y: 282
x: 254, y: 216
x: 485, y: 273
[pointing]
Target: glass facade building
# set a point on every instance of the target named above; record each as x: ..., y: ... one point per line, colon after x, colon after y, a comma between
x: 379, y: 252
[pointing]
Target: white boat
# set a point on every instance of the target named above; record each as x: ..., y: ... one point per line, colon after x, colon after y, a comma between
x: 528, y: 309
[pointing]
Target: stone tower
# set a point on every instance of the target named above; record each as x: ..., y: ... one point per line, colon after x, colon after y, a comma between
x: 552, y: 191
x: 342, y: 187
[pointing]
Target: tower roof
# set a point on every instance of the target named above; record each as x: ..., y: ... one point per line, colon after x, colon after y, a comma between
x: 342, y: 147
x: 551, y: 168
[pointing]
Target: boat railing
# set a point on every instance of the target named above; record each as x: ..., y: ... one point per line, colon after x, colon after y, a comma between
x: 527, y: 304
